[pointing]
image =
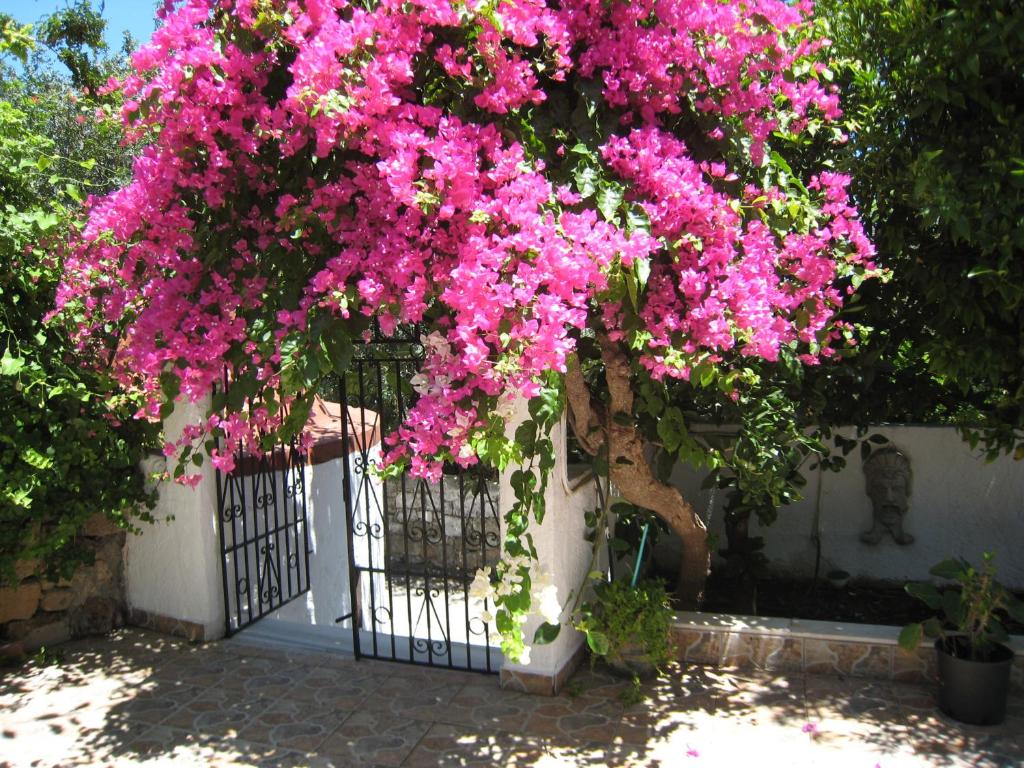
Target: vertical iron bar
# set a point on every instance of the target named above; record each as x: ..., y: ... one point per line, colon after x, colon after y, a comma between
x: 220, y: 528
x: 304, y: 543
x: 444, y: 572
x: 346, y: 485
x: 287, y: 484
x: 245, y: 536
x: 423, y: 483
x: 482, y: 492
x: 232, y: 597
x: 279, y: 450
x: 385, y: 502
x: 264, y: 556
x: 365, y: 452
x: 400, y: 407
x: 464, y: 577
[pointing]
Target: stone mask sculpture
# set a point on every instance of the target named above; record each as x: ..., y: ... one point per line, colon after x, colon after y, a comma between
x: 887, y: 475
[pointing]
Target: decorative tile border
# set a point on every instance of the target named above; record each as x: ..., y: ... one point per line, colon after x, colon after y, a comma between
x: 167, y: 625
x: 867, y: 651
x: 542, y: 685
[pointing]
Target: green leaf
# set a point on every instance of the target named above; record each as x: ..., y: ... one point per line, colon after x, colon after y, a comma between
x: 1015, y: 608
x: 11, y: 366
x: 526, y: 437
x: 609, y: 198
x: 546, y: 633
x: 631, y: 288
x: 925, y: 592
x: 703, y: 374
x: 338, y: 346
x: 949, y: 569
x: 34, y: 458
x: 952, y: 606
x: 46, y: 221
x: 598, y: 643
x: 981, y: 271
x: 932, y: 627
x: 637, y: 221
x: 910, y: 637
x: 586, y: 180
x: 296, y: 419
x: 671, y: 428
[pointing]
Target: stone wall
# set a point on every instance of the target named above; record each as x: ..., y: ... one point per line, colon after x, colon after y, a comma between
x: 431, y: 529
x: 763, y: 644
x: 38, y: 612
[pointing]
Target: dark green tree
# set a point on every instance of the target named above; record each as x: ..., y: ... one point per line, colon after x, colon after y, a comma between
x: 68, y: 448
x: 934, y: 99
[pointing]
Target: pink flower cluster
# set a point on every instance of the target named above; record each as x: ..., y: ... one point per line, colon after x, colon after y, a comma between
x: 728, y: 279
x: 302, y: 166
x: 725, y: 59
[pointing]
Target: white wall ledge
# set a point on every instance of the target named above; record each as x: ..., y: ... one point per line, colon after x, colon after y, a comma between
x: 837, y: 631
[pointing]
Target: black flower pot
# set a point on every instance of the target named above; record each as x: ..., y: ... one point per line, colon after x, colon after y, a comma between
x: 632, y: 660
x: 972, y: 691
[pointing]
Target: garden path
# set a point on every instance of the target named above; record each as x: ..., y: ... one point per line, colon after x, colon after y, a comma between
x: 137, y: 698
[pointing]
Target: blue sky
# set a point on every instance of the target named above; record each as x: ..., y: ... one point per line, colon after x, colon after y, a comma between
x: 134, y: 15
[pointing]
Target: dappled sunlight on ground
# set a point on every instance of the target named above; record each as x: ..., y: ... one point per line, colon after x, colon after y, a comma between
x: 142, y: 699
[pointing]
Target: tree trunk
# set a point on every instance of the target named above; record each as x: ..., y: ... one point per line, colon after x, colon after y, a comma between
x: 629, y: 469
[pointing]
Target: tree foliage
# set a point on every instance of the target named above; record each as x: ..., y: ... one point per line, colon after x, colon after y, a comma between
x: 68, y: 447
x: 934, y: 94
x: 583, y: 202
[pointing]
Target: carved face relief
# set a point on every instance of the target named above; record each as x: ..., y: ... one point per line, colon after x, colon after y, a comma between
x: 887, y: 475
x: 889, y: 492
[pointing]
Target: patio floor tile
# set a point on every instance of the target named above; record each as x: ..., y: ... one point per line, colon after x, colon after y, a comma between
x: 139, y: 699
x: 374, y: 738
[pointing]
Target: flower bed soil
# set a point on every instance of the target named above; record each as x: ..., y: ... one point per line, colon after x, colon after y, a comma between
x: 862, y: 602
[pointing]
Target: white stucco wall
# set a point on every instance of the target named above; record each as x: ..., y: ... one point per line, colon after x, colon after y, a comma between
x: 329, y: 596
x: 959, y: 506
x: 173, y: 567
x: 561, y: 548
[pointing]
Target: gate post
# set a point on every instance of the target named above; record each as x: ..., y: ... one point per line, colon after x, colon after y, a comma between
x: 172, y: 570
x: 565, y: 555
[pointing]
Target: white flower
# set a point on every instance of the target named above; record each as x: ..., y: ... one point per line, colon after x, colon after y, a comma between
x: 481, y: 588
x: 466, y: 451
x: 463, y: 421
x: 524, y: 657
x: 436, y: 344
x: 420, y: 383
x: 486, y: 617
x: 504, y: 589
x: 505, y: 407
x: 548, y: 605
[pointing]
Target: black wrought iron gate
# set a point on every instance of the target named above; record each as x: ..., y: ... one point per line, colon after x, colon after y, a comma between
x: 264, y: 536
x: 414, y: 545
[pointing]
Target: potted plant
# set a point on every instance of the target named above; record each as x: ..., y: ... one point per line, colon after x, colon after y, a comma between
x: 629, y: 626
x: 973, y: 662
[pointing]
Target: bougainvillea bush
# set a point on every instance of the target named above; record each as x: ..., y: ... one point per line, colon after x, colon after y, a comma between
x: 553, y: 190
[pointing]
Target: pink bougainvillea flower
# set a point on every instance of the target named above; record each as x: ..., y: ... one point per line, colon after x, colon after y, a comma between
x: 306, y: 165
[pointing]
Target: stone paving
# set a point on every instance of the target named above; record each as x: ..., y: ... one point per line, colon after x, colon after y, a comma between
x: 138, y: 698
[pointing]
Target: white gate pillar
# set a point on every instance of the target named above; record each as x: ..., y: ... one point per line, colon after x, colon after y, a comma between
x: 565, y: 555
x: 173, y: 570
